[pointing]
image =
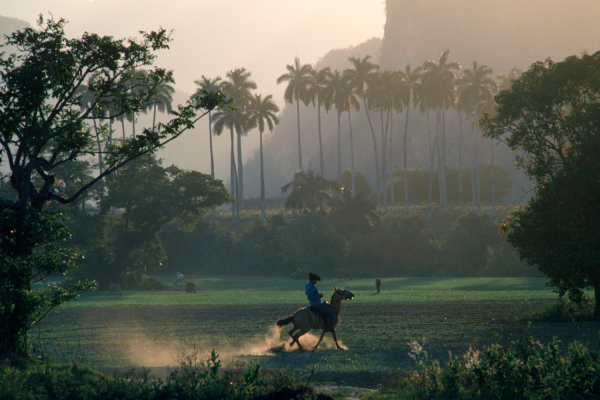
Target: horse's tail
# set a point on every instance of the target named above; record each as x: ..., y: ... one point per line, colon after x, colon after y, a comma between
x: 284, y: 322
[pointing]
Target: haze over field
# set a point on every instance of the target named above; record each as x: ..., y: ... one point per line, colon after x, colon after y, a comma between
x: 211, y: 38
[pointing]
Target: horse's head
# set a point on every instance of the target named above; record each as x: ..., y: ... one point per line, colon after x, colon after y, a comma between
x: 345, y: 294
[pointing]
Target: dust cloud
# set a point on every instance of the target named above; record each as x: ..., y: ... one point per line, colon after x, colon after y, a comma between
x: 144, y: 351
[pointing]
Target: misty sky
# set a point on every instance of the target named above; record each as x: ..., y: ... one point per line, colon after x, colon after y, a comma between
x: 213, y: 37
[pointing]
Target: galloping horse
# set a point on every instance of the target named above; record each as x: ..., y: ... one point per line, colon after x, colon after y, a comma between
x: 305, y: 320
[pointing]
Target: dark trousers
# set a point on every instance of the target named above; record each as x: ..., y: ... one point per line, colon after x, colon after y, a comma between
x: 329, y: 312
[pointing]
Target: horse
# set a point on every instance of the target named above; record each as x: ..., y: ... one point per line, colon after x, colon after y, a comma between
x: 114, y: 287
x: 305, y: 320
x: 190, y: 288
x: 178, y: 278
x: 344, y: 274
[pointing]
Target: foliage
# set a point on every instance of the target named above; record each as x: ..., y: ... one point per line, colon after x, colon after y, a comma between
x: 557, y: 231
x: 525, y: 370
x: 547, y: 113
x: 563, y: 310
x: 550, y: 116
x: 44, y: 125
x: 309, y: 241
x: 466, y: 245
x: 193, y: 379
x: 309, y: 190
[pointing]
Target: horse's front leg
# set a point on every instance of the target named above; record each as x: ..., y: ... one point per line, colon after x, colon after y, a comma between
x: 321, y: 338
x: 334, y: 339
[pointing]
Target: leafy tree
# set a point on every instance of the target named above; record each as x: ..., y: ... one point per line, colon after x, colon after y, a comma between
x: 298, y: 76
x: 550, y: 117
x: 44, y: 126
x: 309, y: 190
x: 261, y: 112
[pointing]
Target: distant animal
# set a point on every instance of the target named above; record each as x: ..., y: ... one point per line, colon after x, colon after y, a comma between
x: 114, y: 287
x: 304, y: 319
x: 378, y: 285
x: 179, y: 278
x: 190, y: 288
x: 344, y: 274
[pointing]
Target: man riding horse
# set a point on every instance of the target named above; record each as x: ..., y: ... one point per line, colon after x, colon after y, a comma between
x: 314, y: 298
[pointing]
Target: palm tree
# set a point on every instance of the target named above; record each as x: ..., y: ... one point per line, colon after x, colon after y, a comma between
x: 317, y: 81
x: 87, y: 100
x: 261, y: 112
x: 298, y: 78
x: 210, y: 85
x: 350, y: 103
x: 309, y: 191
x: 239, y: 87
x: 410, y: 79
x: 137, y: 85
x: 478, y: 87
x: 362, y: 73
x: 439, y: 86
x: 163, y: 100
x: 335, y: 95
x: 505, y: 81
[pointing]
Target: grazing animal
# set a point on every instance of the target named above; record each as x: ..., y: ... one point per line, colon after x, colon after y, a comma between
x: 378, y: 285
x: 344, y: 273
x: 190, y: 288
x: 304, y: 320
x: 179, y: 278
x: 114, y: 287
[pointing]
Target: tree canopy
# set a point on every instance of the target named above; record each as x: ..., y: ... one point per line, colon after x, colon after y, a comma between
x: 44, y: 125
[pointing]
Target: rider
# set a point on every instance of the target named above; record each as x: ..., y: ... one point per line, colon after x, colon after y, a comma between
x: 314, y: 297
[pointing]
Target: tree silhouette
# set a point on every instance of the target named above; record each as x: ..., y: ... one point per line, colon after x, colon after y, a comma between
x: 362, y: 74
x: 262, y: 112
x: 309, y: 190
x: 317, y: 82
x: 209, y: 85
x: 297, y: 78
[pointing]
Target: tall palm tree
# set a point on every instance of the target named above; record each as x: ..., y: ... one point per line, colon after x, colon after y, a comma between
x: 478, y: 87
x: 309, y: 190
x: 335, y: 95
x: 361, y: 74
x: 163, y: 100
x: 298, y: 78
x: 439, y: 84
x: 137, y: 84
x: 261, y: 112
x: 317, y: 81
x: 210, y: 85
x: 87, y: 100
x: 410, y: 79
x: 351, y: 102
x: 239, y: 86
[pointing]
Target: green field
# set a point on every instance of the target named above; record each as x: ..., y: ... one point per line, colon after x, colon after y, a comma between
x: 236, y: 317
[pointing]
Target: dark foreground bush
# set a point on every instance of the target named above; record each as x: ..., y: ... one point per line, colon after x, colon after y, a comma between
x: 193, y: 380
x: 528, y: 371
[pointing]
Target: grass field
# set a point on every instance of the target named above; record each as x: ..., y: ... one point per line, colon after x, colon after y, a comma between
x: 236, y: 317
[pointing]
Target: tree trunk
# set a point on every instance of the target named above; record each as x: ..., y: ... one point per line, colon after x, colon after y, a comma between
x: 392, y: 157
x: 460, y: 186
x: 383, y: 166
x: 493, y: 182
x: 240, y: 170
x: 376, y: 155
x: 299, y: 143
x: 233, y: 175
x: 339, y: 148
x: 473, y: 189
x: 262, y: 178
x: 320, y: 139
x: 351, y: 154
x: 431, y: 172
x: 597, y: 306
x: 212, y: 158
x: 404, y: 152
x: 443, y: 159
x: 478, y: 179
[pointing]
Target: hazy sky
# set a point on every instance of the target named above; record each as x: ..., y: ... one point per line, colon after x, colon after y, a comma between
x: 213, y: 37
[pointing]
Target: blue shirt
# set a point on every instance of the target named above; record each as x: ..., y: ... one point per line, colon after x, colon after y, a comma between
x: 312, y: 294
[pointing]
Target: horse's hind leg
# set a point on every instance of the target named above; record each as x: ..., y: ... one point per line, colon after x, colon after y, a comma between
x: 335, y: 340
x: 291, y: 333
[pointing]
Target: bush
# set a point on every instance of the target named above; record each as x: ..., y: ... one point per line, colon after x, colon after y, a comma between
x: 526, y: 370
